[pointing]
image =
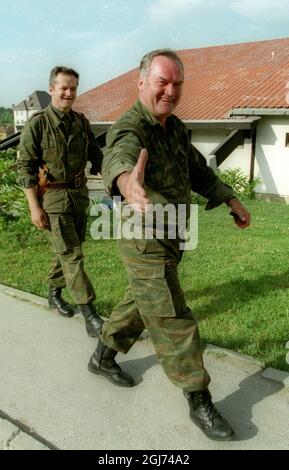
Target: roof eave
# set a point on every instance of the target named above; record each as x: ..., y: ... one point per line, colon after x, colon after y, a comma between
x: 260, y: 112
x: 244, y: 123
x: 101, y: 123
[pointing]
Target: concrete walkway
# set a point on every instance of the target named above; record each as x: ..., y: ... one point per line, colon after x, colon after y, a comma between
x: 49, y: 400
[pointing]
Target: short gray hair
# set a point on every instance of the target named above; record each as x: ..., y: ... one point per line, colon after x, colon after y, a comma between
x: 148, y: 58
x: 61, y: 69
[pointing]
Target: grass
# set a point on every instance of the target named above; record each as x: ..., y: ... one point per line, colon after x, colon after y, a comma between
x: 236, y: 281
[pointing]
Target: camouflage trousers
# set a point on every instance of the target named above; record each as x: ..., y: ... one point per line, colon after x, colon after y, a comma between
x: 154, y: 300
x: 67, y: 270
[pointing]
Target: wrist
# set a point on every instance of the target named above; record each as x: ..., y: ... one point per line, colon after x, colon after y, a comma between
x: 230, y: 199
x: 121, y: 183
x: 33, y: 203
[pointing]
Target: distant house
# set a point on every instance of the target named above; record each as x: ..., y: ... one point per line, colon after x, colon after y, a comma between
x: 6, y: 131
x: 26, y: 108
x: 235, y: 104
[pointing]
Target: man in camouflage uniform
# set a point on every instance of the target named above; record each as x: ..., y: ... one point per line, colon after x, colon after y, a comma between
x: 149, y: 159
x: 62, y: 140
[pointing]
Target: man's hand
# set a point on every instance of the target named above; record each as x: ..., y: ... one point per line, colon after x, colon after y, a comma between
x: 131, y: 184
x: 241, y: 215
x: 38, y: 216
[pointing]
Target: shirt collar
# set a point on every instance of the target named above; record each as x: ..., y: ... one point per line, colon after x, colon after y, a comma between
x: 58, y: 115
x: 61, y: 115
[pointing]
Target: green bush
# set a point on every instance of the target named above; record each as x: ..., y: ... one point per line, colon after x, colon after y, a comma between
x: 7, y: 166
x: 6, y: 116
x: 234, y: 177
x: 240, y: 183
x: 12, y: 200
x: 14, y: 212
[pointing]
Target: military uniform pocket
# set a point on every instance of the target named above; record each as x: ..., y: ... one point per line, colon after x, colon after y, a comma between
x: 49, y: 150
x: 54, y: 201
x: 151, y: 292
x: 63, y: 235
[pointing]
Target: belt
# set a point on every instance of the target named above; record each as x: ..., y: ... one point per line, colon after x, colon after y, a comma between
x: 78, y: 182
x: 59, y: 186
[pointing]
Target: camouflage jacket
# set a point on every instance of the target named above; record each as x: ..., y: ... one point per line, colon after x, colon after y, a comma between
x: 43, y: 140
x: 174, y: 168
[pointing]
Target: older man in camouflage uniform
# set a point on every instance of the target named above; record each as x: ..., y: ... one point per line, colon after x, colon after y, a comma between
x: 62, y: 140
x: 166, y: 172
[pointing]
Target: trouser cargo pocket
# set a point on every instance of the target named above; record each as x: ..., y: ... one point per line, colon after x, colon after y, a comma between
x: 150, y: 289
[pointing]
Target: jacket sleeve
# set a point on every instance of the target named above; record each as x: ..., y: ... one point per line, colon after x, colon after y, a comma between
x: 30, y: 154
x: 204, y: 180
x: 94, y: 152
x: 123, y: 146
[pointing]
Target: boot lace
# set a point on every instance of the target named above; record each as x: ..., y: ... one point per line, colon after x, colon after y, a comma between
x: 204, y: 400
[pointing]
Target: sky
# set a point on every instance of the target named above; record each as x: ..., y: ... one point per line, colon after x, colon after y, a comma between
x: 102, y: 39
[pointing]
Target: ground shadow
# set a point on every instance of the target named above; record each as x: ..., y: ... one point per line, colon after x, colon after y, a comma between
x: 238, y: 406
x: 137, y: 367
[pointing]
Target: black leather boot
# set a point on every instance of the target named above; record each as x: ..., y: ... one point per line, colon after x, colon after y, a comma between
x: 56, y: 301
x: 204, y: 414
x: 93, y: 322
x: 102, y: 363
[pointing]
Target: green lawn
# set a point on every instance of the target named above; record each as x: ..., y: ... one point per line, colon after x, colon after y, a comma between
x: 236, y: 281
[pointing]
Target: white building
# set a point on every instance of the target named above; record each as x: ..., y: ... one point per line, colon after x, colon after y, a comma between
x: 24, y: 110
x: 235, y: 104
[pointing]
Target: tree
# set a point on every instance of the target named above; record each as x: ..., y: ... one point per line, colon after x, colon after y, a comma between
x: 6, y: 116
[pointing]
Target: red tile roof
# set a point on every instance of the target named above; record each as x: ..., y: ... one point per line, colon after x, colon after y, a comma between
x: 217, y: 79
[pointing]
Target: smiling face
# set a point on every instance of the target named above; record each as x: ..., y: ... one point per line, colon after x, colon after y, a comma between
x: 63, y: 91
x: 160, y: 89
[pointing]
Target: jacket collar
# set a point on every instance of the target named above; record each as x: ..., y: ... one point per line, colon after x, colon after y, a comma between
x: 56, y: 117
x: 148, y: 115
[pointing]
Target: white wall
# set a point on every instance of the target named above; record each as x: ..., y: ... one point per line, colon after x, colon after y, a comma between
x: 272, y: 157
x: 21, y: 116
x: 207, y: 140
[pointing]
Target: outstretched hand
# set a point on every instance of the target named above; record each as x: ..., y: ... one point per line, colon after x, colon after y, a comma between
x: 131, y: 184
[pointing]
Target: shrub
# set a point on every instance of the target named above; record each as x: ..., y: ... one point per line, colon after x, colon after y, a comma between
x: 234, y: 177
x: 12, y: 200
x: 240, y: 183
x: 14, y: 212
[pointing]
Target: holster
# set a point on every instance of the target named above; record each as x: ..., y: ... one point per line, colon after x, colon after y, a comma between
x: 42, y: 184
